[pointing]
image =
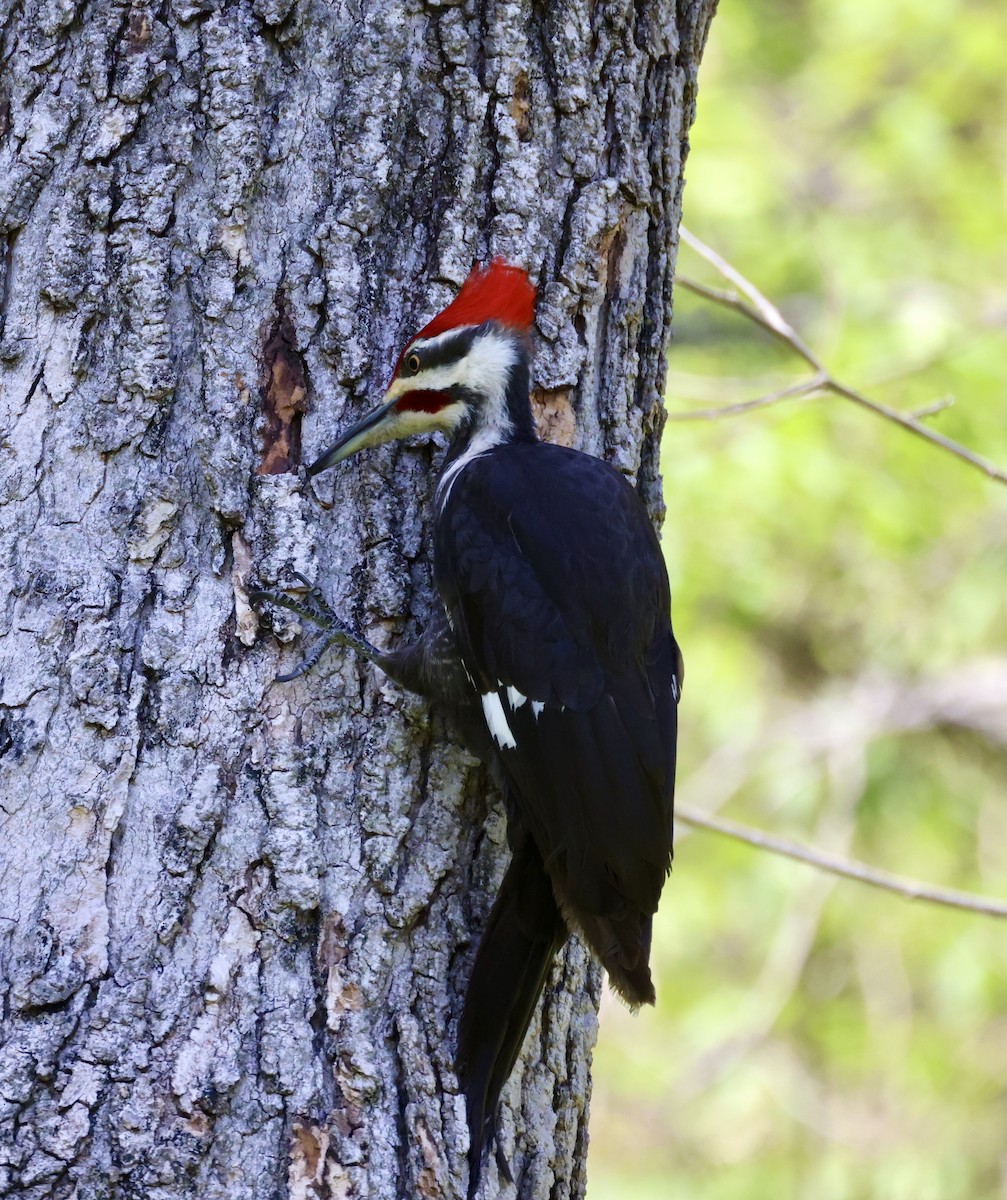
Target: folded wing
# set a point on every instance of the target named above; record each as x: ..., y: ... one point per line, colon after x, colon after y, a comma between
x: 554, y: 583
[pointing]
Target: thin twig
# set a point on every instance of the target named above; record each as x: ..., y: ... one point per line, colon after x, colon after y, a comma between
x: 913, y: 426
x: 909, y: 889
x: 794, y: 937
x: 767, y: 316
x: 778, y: 328
x: 933, y: 408
x: 806, y: 388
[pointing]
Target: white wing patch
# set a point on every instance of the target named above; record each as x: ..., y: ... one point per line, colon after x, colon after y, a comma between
x: 496, y: 721
x: 537, y: 707
x: 515, y: 699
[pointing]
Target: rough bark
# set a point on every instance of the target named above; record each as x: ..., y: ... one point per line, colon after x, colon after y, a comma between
x: 236, y: 917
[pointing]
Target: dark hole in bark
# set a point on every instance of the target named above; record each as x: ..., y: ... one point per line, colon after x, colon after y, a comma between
x: 284, y: 398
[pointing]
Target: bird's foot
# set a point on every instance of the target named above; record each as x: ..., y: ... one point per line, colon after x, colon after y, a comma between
x: 315, y: 608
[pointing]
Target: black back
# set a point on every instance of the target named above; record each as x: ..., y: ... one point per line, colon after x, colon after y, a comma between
x: 554, y: 582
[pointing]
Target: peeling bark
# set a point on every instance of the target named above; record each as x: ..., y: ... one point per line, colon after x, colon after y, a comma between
x: 236, y: 918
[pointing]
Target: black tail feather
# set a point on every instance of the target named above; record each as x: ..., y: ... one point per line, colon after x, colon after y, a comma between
x: 522, y: 935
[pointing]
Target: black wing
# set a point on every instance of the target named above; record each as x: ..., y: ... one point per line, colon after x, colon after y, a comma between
x: 554, y: 582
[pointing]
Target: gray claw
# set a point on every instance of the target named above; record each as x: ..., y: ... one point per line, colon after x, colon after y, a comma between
x: 316, y: 609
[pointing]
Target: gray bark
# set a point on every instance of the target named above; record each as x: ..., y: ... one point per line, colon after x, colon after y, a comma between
x: 236, y: 917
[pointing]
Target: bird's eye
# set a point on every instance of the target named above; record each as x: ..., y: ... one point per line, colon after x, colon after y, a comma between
x: 413, y: 364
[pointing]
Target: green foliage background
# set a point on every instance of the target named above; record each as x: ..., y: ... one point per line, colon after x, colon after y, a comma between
x: 841, y: 598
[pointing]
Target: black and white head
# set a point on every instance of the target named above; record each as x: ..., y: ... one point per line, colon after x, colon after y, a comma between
x: 465, y: 372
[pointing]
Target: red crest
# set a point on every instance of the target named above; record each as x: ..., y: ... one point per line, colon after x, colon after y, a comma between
x: 498, y: 292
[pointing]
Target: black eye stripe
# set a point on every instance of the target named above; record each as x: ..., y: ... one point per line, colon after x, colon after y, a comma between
x: 441, y: 354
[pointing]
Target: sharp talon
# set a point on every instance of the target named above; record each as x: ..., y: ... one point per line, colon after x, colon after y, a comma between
x: 311, y: 587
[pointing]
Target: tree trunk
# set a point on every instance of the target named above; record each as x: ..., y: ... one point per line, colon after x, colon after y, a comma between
x: 236, y: 916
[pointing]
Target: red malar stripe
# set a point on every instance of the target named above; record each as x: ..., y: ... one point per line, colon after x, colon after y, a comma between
x: 423, y: 400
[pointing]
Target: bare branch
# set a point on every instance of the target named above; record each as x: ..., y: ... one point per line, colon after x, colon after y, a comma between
x: 764, y: 311
x: 767, y: 316
x: 909, y: 889
x: 806, y: 388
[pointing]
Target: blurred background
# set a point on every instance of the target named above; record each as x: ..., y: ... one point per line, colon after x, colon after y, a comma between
x: 841, y: 597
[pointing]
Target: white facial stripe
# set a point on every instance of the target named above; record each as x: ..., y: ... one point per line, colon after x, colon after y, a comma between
x: 485, y: 369
x: 435, y: 381
x: 496, y: 721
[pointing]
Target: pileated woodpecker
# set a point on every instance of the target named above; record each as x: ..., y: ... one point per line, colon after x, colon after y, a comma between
x: 554, y: 651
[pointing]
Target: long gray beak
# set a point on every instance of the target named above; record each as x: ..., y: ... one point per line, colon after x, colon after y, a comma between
x: 371, y: 430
